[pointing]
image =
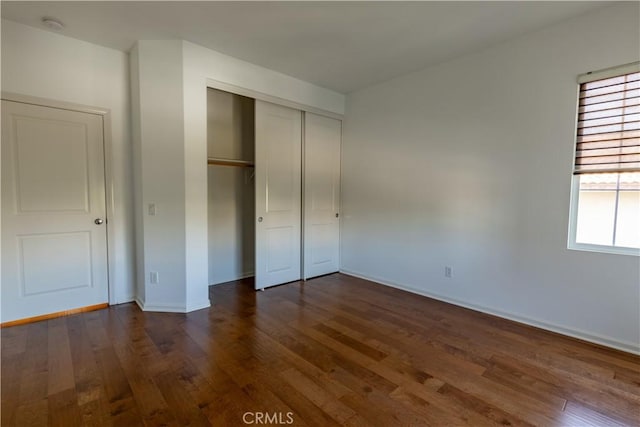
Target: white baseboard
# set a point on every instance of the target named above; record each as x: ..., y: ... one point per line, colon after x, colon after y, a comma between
x: 240, y: 277
x: 198, y: 306
x: 139, y: 303
x: 571, y: 332
x: 167, y: 308
x: 125, y: 300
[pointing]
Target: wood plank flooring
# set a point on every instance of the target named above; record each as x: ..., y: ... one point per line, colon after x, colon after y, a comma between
x: 334, y: 351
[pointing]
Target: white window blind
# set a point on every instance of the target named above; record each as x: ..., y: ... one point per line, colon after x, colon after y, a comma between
x: 608, y: 130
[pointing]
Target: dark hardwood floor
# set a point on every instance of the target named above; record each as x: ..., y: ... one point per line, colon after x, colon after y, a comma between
x: 334, y: 351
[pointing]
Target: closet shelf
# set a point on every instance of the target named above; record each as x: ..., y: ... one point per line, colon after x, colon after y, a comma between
x: 229, y: 162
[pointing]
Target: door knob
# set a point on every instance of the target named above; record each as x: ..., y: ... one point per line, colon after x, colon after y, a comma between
x: 259, y: 219
x: 99, y: 221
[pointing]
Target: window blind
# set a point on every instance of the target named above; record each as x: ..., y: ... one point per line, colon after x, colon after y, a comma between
x: 608, y: 130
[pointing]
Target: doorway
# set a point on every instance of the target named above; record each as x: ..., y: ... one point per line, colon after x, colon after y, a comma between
x: 54, y: 210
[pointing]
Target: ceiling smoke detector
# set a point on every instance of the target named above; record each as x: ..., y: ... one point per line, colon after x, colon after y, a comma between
x: 52, y: 24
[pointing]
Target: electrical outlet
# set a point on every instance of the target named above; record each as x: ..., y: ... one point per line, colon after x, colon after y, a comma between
x: 447, y: 272
x: 153, y: 278
x: 152, y: 209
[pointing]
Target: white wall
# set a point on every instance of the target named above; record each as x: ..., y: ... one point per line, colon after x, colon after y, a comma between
x: 46, y: 65
x: 159, y: 139
x: 209, y: 64
x: 468, y: 164
x: 136, y: 144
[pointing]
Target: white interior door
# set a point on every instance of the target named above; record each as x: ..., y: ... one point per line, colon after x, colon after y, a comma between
x: 54, y: 246
x: 278, y: 194
x: 323, y: 136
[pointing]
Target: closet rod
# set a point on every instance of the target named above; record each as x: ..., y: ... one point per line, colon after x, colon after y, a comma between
x: 229, y: 162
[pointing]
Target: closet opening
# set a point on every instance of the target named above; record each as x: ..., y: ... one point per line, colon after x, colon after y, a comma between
x: 231, y: 186
x: 273, y: 207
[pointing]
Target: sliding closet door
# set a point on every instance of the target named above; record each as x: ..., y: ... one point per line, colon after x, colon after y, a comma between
x: 322, y: 195
x: 278, y: 194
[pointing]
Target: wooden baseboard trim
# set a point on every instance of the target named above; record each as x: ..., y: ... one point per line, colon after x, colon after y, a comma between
x: 54, y: 315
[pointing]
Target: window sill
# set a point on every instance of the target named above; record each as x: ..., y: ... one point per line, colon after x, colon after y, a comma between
x: 618, y: 250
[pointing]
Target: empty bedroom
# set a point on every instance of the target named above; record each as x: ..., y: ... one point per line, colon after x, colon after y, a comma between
x: 312, y: 213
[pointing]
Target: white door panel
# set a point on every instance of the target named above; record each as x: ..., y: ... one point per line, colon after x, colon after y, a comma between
x: 65, y: 151
x: 278, y: 194
x: 280, y: 244
x: 41, y: 256
x: 322, y: 195
x: 54, y: 256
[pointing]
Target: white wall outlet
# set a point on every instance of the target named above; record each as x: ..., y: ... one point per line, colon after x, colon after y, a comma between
x: 447, y: 271
x: 153, y: 278
x: 152, y: 209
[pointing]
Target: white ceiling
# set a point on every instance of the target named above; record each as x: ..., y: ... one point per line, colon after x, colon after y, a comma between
x: 342, y: 46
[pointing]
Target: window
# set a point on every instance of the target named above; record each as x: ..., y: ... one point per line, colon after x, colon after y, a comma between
x: 605, y: 203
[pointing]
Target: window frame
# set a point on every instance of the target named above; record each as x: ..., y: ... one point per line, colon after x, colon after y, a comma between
x: 572, y: 244
x: 573, y: 228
